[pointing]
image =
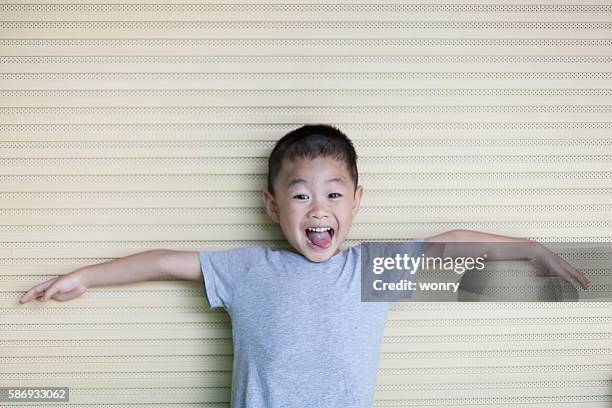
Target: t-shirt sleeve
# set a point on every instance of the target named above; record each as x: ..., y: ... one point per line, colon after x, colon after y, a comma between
x: 376, y: 276
x: 222, y: 271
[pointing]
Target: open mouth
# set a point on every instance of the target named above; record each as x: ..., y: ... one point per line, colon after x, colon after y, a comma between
x: 319, y: 236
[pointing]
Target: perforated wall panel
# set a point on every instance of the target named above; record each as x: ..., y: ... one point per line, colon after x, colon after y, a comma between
x: 133, y: 126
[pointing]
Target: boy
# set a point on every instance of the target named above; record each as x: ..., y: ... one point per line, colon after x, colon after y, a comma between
x: 302, y: 337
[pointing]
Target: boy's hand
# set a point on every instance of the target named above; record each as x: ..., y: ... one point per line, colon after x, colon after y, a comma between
x: 555, y: 265
x: 61, y: 288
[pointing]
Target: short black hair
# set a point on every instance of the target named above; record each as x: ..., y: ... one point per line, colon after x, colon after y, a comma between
x: 311, y: 141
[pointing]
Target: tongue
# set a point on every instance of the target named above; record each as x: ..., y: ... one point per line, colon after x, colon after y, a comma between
x: 320, y: 239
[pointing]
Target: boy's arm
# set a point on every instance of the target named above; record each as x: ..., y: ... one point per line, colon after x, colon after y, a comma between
x: 149, y: 265
x: 182, y: 264
x: 531, y: 250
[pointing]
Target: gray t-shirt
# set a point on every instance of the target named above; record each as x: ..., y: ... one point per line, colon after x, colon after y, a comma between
x: 302, y: 337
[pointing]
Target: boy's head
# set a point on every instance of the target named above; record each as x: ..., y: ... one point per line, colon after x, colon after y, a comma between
x: 312, y: 182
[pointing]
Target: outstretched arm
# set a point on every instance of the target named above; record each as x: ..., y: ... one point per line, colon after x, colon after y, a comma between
x: 531, y: 250
x: 143, y: 266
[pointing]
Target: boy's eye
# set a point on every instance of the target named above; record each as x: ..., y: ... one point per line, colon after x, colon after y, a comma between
x: 299, y: 195
x: 337, y: 195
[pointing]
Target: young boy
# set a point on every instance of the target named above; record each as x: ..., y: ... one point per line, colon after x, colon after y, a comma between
x: 302, y: 337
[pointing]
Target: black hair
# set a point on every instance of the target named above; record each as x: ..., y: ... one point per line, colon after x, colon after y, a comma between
x: 311, y: 141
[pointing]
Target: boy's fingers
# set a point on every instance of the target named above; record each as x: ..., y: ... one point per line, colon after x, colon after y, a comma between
x: 573, y: 276
x: 37, y: 290
x: 558, y: 266
x: 558, y: 269
x: 68, y: 295
x: 584, y: 282
x: 49, y: 293
x: 576, y: 273
x: 569, y: 278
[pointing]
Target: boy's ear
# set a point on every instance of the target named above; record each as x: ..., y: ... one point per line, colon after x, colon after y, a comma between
x: 271, y: 206
x: 357, y: 200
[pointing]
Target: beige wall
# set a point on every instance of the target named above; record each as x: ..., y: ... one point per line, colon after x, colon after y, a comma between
x: 132, y: 127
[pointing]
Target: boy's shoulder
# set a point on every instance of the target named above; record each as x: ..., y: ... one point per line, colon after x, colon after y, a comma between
x: 236, y: 253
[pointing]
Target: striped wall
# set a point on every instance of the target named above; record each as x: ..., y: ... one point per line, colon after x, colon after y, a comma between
x: 147, y: 124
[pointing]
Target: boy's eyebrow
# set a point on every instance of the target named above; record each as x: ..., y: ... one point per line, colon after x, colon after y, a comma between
x: 336, y: 179
x: 301, y: 181
x: 294, y: 182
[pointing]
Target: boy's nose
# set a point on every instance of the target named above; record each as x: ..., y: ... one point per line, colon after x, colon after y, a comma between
x: 319, y: 212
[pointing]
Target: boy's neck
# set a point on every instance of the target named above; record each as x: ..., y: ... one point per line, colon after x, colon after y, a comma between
x: 291, y: 249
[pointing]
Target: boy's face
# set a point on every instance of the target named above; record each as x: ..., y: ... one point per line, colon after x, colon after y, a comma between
x: 305, y: 197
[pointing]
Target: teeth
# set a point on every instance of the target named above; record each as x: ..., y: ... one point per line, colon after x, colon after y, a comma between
x: 319, y: 229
